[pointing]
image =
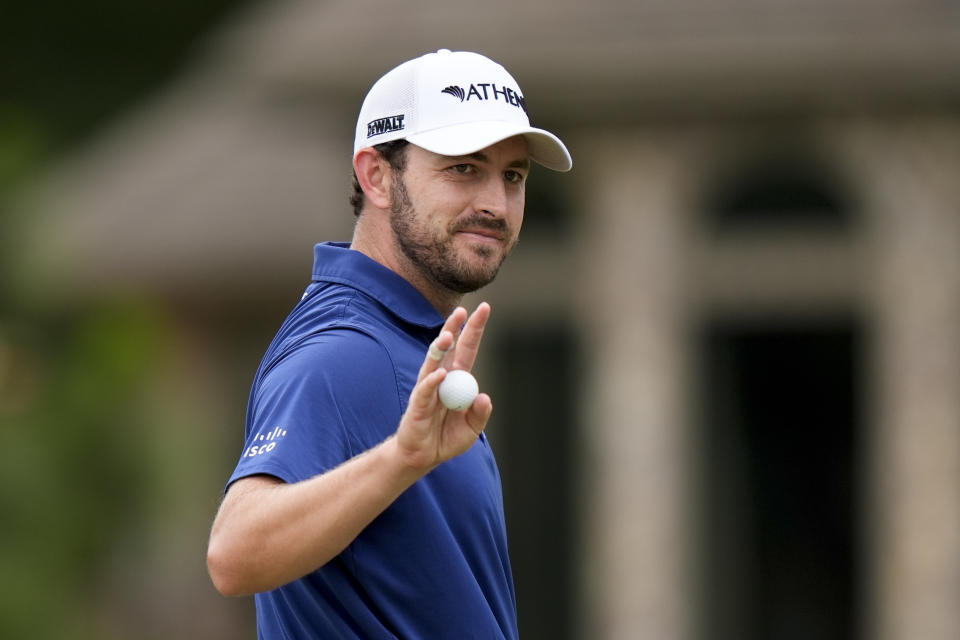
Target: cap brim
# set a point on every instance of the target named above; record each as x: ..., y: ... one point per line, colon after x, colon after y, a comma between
x: 463, y: 139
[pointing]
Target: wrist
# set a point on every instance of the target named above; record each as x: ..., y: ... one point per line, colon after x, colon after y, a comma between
x: 406, y: 465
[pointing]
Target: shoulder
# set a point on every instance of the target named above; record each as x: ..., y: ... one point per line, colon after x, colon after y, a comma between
x: 341, y: 355
x: 333, y: 395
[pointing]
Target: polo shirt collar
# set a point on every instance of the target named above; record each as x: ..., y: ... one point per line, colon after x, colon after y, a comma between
x: 336, y: 262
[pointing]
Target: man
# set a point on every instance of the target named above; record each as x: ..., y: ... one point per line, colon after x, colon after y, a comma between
x: 361, y: 507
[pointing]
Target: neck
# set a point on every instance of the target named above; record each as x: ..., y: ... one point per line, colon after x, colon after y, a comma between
x: 375, y: 240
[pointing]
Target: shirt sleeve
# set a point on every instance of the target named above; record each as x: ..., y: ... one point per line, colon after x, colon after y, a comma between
x: 330, y: 398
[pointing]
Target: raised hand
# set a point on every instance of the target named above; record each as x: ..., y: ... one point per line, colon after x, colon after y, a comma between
x: 429, y: 433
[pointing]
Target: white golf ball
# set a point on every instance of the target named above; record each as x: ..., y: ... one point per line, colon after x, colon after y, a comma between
x: 458, y: 390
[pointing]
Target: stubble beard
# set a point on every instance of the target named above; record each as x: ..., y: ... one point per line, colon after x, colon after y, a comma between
x: 435, y: 255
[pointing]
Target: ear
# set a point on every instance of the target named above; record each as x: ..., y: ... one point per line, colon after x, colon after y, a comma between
x: 374, y: 175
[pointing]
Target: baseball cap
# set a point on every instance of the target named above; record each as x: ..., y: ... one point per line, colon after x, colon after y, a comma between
x: 453, y: 103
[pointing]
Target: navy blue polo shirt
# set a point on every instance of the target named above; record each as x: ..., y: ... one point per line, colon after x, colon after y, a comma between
x: 333, y: 383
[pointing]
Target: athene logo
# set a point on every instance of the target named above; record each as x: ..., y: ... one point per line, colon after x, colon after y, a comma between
x: 455, y: 91
x: 487, y: 91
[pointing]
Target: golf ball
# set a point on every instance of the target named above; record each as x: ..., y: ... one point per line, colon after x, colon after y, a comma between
x: 458, y: 390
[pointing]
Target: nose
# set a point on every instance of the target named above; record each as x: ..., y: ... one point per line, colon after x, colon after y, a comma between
x: 492, y: 198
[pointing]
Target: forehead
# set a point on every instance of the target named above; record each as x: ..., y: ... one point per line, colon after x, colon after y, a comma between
x: 512, y: 152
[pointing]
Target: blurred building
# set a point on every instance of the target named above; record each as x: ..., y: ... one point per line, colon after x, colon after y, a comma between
x: 726, y: 353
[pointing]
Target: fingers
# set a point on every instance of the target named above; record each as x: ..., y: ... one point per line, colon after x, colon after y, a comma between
x: 424, y: 402
x: 439, y: 347
x: 435, y: 352
x: 468, y: 345
x: 464, y: 354
x: 479, y: 413
x: 424, y: 397
x: 442, y: 343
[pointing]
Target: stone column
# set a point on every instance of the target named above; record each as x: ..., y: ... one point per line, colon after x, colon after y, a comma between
x: 911, y: 174
x: 635, y: 501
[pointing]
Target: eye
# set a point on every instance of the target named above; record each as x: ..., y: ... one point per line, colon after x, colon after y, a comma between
x: 513, y: 177
x: 462, y: 168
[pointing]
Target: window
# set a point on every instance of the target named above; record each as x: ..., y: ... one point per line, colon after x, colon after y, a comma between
x: 779, y: 430
x: 778, y: 190
x: 535, y: 426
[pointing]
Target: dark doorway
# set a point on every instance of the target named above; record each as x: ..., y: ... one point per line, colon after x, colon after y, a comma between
x: 533, y: 433
x: 780, y: 429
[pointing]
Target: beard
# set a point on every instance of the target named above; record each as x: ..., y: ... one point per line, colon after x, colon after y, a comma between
x: 433, y: 252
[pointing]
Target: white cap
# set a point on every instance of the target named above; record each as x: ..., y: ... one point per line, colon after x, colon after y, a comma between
x: 454, y: 104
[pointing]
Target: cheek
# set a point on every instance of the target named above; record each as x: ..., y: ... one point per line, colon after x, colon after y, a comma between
x: 445, y: 205
x: 517, y: 207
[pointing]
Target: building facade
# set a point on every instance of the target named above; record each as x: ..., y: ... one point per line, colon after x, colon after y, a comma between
x: 726, y: 353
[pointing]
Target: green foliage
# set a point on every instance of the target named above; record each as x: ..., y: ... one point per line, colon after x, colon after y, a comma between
x: 76, y: 465
x: 71, y: 458
x: 22, y: 147
x: 73, y: 65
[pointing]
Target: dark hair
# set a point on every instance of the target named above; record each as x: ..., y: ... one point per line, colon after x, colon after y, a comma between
x: 394, y: 153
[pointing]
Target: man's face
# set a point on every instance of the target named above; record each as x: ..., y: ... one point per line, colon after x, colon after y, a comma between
x: 456, y: 219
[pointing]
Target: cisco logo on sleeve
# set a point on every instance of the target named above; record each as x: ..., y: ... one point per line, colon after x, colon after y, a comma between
x: 265, y: 443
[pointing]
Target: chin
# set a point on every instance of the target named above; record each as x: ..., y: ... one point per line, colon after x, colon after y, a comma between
x: 472, y: 279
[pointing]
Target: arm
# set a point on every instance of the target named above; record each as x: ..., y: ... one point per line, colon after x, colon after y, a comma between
x: 268, y: 533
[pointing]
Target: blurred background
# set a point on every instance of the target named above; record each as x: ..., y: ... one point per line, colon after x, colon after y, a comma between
x: 725, y: 355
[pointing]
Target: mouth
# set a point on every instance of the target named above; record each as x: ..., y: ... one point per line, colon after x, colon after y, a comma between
x: 492, y: 231
x: 486, y: 236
